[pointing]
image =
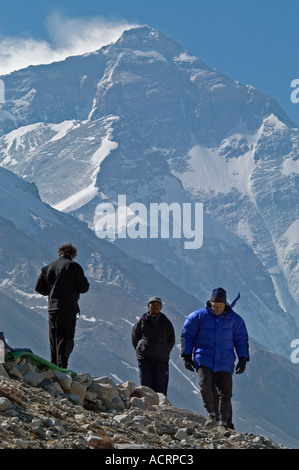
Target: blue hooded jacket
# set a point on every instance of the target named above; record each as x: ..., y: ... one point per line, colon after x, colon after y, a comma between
x: 214, y: 339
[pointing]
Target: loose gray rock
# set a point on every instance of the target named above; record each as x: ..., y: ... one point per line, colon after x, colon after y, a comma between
x: 5, y: 404
x: 46, y: 409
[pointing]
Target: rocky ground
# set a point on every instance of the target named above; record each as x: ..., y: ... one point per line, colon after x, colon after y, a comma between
x: 41, y: 408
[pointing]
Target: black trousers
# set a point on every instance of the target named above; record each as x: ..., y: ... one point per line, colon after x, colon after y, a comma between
x: 62, y: 327
x: 154, y: 374
x: 216, y: 392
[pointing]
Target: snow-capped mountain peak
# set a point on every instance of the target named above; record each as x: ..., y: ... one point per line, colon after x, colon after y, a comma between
x: 144, y: 121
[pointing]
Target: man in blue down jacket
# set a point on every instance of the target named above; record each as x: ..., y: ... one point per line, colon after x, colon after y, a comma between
x: 62, y: 281
x: 210, y: 337
x: 153, y: 338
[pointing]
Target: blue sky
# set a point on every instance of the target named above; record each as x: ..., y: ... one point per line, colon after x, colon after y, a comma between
x: 253, y: 41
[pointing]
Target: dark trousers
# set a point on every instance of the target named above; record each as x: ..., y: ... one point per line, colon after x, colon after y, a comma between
x: 154, y: 374
x: 62, y: 327
x: 216, y: 392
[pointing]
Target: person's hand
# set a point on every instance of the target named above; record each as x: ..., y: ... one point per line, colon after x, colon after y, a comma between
x: 241, y: 366
x: 189, y: 364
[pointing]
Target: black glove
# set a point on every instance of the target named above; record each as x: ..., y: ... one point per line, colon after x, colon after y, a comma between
x: 241, y: 366
x: 189, y: 364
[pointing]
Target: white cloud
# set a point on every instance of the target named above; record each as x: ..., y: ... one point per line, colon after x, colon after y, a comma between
x: 68, y: 37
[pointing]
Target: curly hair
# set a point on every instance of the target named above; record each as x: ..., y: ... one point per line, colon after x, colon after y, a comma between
x: 68, y: 249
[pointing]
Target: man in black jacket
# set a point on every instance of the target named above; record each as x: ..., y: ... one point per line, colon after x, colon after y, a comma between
x: 153, y: 338
x: 62, y: 281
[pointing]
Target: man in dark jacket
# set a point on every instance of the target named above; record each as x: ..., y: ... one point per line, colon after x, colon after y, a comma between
x: 210, y: 337
x: 62, y: 281
x: 153, y: 338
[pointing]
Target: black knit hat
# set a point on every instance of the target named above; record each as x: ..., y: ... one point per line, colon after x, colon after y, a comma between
x: 218, y: 295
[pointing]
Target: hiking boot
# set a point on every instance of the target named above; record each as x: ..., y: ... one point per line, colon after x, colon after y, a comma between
x: 211, y: 420
x: 231, y: 429
x: 222, y: 428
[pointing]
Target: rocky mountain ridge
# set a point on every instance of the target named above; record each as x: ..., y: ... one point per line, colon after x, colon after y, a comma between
x: 42, y: 408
